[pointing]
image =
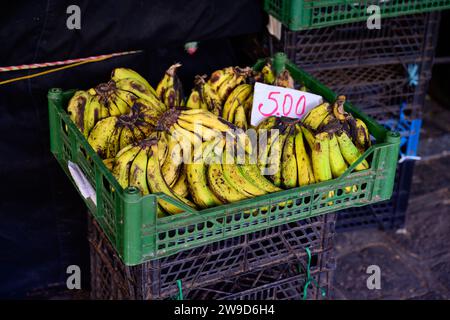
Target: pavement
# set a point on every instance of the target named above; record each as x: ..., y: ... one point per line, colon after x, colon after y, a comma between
x: 414, y: 261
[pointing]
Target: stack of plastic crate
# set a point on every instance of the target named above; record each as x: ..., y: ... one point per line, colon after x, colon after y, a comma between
x: 384, y: 71
x: 275, y: 263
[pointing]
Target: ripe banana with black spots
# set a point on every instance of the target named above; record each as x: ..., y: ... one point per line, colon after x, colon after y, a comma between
x: 337, y: 162
x: 198, y: 182
x: 170, y: 89
x: 157, y: 183
x: 126, y: 73
x: 362, y: 136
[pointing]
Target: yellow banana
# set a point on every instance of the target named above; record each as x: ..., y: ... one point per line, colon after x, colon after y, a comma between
x: 207, y: 119
x: 99, y: 137
x: 126, y: 73
x: 180, y: 187
x: 236, y: 98
x: 109, y: 163
x: 198, y: 183
x: 240, y: 119
x: 237, y: 180
x: 170, y: 89
x: 304, y: 168
x: 122, y: 165
x: 315, y: 116
x: 338, y: 108
x: 268, y: 123
x: 158, y: 184
x: 218, y: 77
x: 228, y: 86
x: 289, y: 163
x: 138, y: 171
x: 268, y: 74
x: 172, y: 165
x: 320, y: 156
x: 265, y: 139
x: 337, y: 162
x: 349, y: 151
x: 194, y: 101
x: 276, y: 151
x: 93, y: 112
x: 252, y: 173
x: 76, y: 108
x: 140, y: 91
x: 206, y: 133
x: 224, y: 191
x: 362, y: 136
x: 308, y: 136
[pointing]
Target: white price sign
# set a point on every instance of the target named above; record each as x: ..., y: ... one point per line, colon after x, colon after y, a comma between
x: 278, y: 101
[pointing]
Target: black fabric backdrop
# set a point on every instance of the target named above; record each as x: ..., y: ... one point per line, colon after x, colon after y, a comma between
x: 43, y: 220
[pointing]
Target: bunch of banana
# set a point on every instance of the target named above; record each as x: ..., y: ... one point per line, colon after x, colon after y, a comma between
x: 170, y: 89
x: 113, y: 133
x: 140, y: 165
x: 328, y: 130
x: 283, y: 155
x: 216, y: 177
x: 192, y: 127
x: 211, y: 94
x: 113, y: 98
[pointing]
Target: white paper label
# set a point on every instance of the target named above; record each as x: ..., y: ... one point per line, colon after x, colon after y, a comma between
x: 278, y: 101
x: 85, y: 188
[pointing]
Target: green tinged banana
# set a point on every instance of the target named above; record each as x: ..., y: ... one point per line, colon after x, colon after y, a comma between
x: 308, y: 136
x: 268, y: 74
x: 349, y: 151
x: 316, y: 116
x: 337, y: 162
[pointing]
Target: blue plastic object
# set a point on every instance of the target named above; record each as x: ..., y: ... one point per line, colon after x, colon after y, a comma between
x: 409, y: 131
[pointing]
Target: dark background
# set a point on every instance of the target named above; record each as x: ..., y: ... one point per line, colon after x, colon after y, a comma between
x: 43, y: 219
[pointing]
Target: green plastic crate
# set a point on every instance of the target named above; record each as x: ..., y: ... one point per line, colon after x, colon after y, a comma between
x: 130, y: 220
x: 310, y: 14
